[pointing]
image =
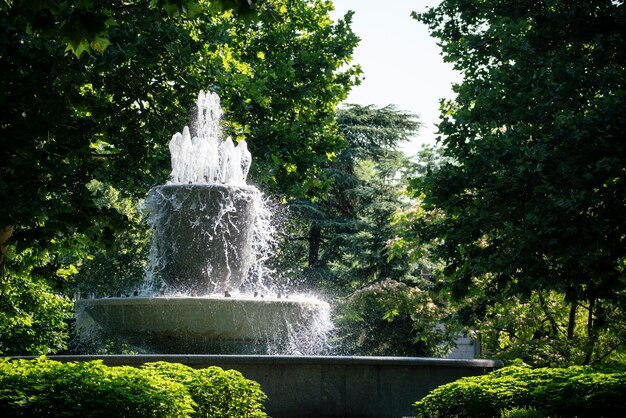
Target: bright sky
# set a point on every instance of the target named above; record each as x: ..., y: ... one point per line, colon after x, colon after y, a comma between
x: 402, y: 64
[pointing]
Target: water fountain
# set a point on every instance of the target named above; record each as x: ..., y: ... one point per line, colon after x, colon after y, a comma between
x: 208, y: 231
x: 209, y: 227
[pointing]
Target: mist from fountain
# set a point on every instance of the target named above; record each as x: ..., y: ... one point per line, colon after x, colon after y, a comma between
x: 208, y: 289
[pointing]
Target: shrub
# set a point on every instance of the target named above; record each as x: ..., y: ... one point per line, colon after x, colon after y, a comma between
x: 46, y: 388
x: 580, y: 391
x: 392, y: 318
x: 217, y: 393
x: 522, y: 413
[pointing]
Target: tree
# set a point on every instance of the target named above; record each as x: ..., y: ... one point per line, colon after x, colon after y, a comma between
x: 284, y: 98
x: 532, y: 197
x: 340, y: 238
x: 84, y: 26
x: 540, y: 331
x: 339, y: 243
x: 71, y: 119
x: 393, y: 318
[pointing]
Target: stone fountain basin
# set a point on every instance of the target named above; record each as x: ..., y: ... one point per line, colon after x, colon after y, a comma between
x: 200, y: 325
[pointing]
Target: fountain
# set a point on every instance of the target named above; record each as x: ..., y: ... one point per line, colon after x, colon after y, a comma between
x: 208, y: 232
x: 201, y: 298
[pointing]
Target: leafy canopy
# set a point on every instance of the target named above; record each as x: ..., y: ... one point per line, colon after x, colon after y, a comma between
x: 78, y: 127
x: 84, y: 26
x: 532, y: 197
x: 340, y: 237
x: 339, y: 242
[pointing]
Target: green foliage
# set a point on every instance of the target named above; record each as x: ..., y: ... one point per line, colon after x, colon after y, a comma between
x: 120, y: 268
x: 48, y: 388
x: 84, y: 26
x: 580, y: 391
x: 33, y: 315
x: 521, y: 413
x: 405, y: 244
x: 33, y: 318
x: 284, y: 96
x: 217, y: 393
x: 542, y: 329
x: 392, y: 318
x: 78, y: 130
x: 340, y: 238
x: 531, y: 195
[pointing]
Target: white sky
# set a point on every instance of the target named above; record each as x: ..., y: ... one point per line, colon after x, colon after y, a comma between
x: 401, y: 63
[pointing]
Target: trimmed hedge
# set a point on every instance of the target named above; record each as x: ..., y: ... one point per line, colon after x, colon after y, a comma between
x: 579, y: 391
x: 46, y: 388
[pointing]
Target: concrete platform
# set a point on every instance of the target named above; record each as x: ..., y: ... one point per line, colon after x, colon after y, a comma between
x: 329, y: 387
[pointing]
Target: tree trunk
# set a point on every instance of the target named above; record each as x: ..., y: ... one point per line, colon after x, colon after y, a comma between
x: 591, y: 331
x: 571, y: 324
x: 315, y: 238
x: 5, y: 234
x: 546, y: 310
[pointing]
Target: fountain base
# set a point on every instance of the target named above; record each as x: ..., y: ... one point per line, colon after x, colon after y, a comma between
x: 319, y: 386
x: 201, y: 325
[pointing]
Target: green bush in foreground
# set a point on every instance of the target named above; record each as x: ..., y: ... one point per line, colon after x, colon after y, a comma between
x: 579, y: 391
x: 521, y: 413
x: 46, y: 388
x: 217, y: 393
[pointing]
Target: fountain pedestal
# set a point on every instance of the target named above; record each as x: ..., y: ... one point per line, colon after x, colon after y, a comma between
x: 202, y: 236
x: 200, y: 325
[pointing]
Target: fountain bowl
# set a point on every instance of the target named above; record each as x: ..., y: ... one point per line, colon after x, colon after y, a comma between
x: 200, y: 325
